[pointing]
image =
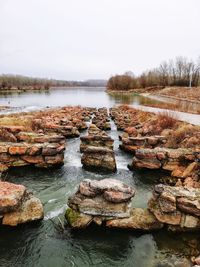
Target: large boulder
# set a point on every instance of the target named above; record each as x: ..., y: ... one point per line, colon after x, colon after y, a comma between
x: 30, y: 210
x: 11, y: 196
x: 17, y: 205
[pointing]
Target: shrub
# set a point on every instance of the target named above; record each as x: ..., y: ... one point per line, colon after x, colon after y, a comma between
x: 166, y: 120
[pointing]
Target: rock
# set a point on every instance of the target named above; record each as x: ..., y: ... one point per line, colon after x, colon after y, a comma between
x: 31, y: 210
x: 96, y: 141
x: 189, y: 221
x: 54, y: 160
x: 140, y: 219
x: 7, y: 136
x: 17, y: 149
x: 176, y: 206
x: 132, y: 131
x: 190, y: 169
x: 117, y: 197
x: 3, y: 168
x: 3, y: 147
x: 167, y: 202
x: 104, y: 198
x: 99, y: 158
x: 187, y: 205
x: 113, y: 190
x: 11, y: 196
x: 178, y: 172
x: 50, y: 150
x: 33, y: 159
x: 146, y: 163
x: 77, y: 220
x: 98, y: 206
x: 172, y: 218
x: 197, y: 260
x: 171, y: 165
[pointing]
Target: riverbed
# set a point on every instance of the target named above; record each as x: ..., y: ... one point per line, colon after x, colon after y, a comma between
x: 42, y: 244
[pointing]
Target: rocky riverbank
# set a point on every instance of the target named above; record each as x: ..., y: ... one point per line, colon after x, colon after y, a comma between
x: 160, y: 142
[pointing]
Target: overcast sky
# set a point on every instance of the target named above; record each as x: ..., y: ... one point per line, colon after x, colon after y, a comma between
x: 87, y: 39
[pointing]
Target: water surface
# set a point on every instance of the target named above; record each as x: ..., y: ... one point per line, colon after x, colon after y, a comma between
x: 41, y: 244
x: 84, y: 96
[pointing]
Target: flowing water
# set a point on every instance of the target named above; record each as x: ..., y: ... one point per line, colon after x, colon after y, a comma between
x: 42, y: 244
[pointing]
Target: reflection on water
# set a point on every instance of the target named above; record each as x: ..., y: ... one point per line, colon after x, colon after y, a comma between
x: 93, y: 97
x: 131, y: 98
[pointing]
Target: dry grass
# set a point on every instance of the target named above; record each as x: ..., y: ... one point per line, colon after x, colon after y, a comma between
x: 25, y: 121
x: 182, y: 93
x: 178, y: 106
x: 166, y: 120
x: 186, y: 135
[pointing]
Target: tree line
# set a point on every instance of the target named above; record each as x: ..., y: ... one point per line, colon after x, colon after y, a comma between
x: 8, y: 82
x: 178, y: 72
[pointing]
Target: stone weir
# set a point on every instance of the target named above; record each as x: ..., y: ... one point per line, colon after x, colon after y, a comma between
x: 131, y: 144
x: 101, y: 119
x: 97, y: 149
x: 177, y: 207
x: 17, y: 205
x: 31, y: 148
x: 68, y: 121
x: 181, y: 163
x: 108, y: 203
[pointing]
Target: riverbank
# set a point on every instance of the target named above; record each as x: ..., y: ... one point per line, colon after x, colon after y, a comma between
x: 171, y: 98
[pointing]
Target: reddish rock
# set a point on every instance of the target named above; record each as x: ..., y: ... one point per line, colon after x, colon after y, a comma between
x: 30, y: 210
x: 33, y: 159
x: 117, y: 197
x: 3, y: 167
x: 55, y: 160
x: 11, y: 196
x: 34, y: 150
x: 190, y: 169
x: 14, y: 129
x: 146, y: 163
x: 132, y: 131
x: 3, y: 148
x: 17, y: 149
x: 50, y: 150
x: 6, y: 158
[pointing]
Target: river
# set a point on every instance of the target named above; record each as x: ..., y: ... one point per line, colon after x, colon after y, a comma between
x: 42, y: 245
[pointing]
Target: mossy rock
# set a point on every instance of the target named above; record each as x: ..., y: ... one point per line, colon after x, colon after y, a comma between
x: 71, y: 216
x: 76, y: 219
